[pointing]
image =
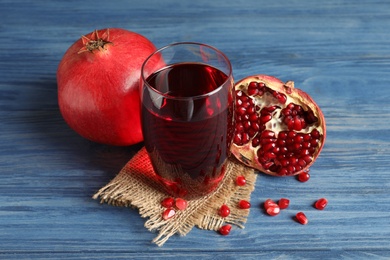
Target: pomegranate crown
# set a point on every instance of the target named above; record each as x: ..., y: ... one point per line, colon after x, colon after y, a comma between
x: 95, y: 42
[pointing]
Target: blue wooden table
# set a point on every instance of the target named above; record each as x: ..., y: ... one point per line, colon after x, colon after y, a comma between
x: 338, y: 51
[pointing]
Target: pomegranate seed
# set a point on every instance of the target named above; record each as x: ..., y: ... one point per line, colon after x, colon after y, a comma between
x: 297, y: 124
x: 307, y: 158
x: 268, y: 203
x: 305, y: 152
x: 240, y: 180
x: 239, y: 127
x: 247, y: 103
x: 267, y: 134
x: 298, y: 138
x: 321, y: 204
x: 244, y: 204
x: 291, y: 134
x: 315, y: 134
x: 264, y: 119
x: 283, y: 203
x: 304, y: 176
x: 167, y: 202
x: 245, y: 138
x: 252, y: 88
x: 272, y: 108
x: 284, y: 162
x: 267, y: 165
x: 301, y: 218
x: 238, y: 139
x: 253, y: 84
x: 255, y: 126
x: 291, y: 169
x: 247, y: 125
x: 282, y: 135
x: 224, y: 211
x: 255, y: 142
x: 268, y: 146
x: 283, y: 172
x: 268, y: 140
x: 301, y: 162
x: 293, y: 161
x: 181, y: 204
x: 314, y: 142
x: 241, y: 110
x: 253, y: 117
x: 273, y: 210
x: 225, y: 230
x: 168, y: 213
x: 269, y: 156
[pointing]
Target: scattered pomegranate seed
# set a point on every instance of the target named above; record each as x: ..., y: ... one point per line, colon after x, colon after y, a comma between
x: 168, y: 213
x: 225, y: 230
x: 180, y: 204
x: 240, y: 180
x: 321, y: 204
x: 168, y: 202
x: 224, y: 211
x: 273, y: 210
x: 283, y: 203
x: 301, y: 218
x: 268, y: 203
x: 244, y: 204
x: 304, y: 176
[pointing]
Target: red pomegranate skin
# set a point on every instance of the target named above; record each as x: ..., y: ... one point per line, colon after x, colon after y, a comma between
x: 98, y: 90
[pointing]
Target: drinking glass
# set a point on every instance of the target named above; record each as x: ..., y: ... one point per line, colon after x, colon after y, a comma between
x: 187, y: 116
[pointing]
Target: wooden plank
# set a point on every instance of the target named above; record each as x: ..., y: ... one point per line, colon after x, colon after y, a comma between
x: 338, y: 51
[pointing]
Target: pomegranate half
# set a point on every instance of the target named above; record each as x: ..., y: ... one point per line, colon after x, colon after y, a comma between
x: 280, y: 130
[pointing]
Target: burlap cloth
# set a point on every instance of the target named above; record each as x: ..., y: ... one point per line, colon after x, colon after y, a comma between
x: 136, y: 186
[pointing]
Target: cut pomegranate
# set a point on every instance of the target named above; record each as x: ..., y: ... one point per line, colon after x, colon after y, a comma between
x: 225, y: 230
x: 168, y: 202
x: 240, y: 180
x: 280, y: 130
x: 244, y: 204
x: 224, y: 211
x: 304, y: 176
x: 283, y: 203
x: 321, y: 204
x: 181, y: 204
x: 301, y: 218
x: 168, y: 213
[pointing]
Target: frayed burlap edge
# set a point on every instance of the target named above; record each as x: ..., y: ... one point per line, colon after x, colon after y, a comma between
x: 135, y: 186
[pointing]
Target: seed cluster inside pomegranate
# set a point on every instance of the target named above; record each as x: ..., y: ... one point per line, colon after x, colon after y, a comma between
x: 279, y: 129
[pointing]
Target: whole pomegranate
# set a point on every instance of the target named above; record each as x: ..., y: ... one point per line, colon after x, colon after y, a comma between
x: 280, y: 130
x: 98, y: 85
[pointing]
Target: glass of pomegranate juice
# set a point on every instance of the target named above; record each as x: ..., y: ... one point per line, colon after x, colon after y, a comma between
x: 187, y: 116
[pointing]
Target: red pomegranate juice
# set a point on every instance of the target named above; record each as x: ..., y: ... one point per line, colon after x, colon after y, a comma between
x: 189, y: 126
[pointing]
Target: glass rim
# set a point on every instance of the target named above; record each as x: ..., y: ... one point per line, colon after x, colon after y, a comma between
x: 229, y: 76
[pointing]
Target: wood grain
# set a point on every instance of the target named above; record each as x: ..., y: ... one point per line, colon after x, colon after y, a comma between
x: 337, y: 51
